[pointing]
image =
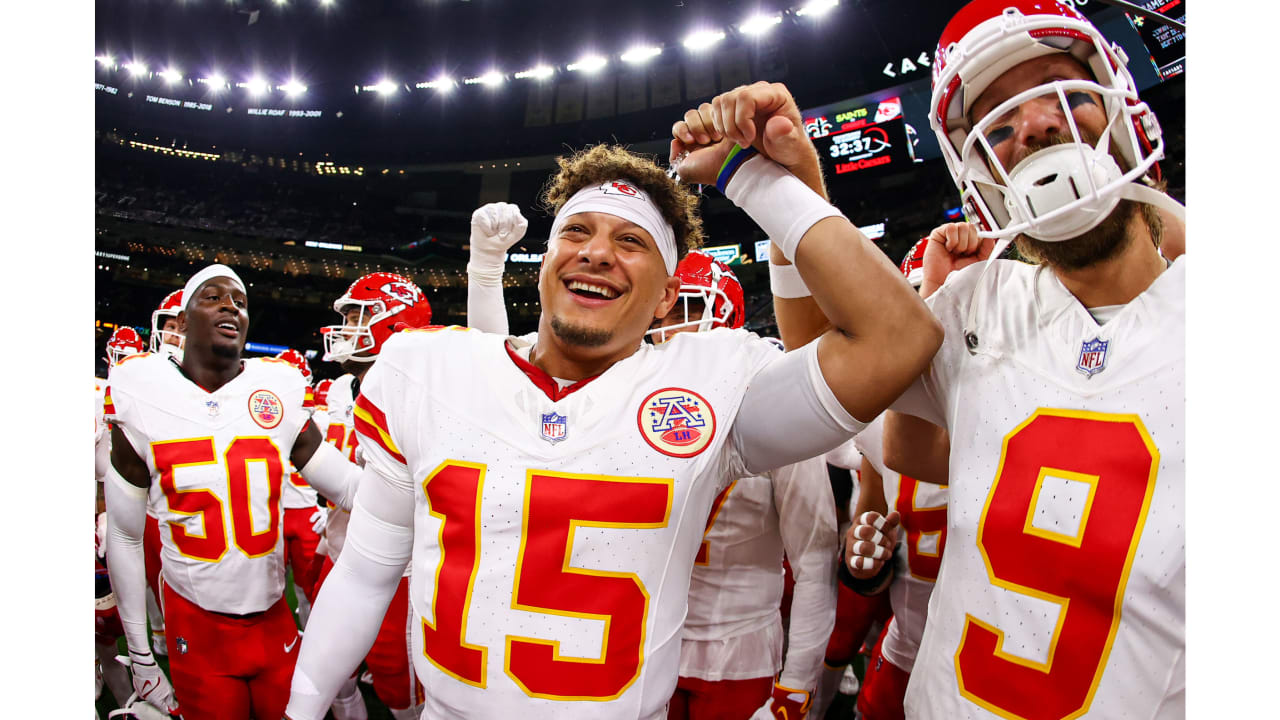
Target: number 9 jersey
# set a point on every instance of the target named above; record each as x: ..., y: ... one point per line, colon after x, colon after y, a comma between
x: 217, y: 461
x: 1062, y: 590
x: 555, y: 526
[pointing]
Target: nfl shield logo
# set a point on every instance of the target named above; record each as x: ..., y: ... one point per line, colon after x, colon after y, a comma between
x: 554, y: 427
x: 1093, y: 357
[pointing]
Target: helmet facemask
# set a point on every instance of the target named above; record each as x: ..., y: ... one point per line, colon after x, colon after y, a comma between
x: 712, y: 299
x: 343, y: 343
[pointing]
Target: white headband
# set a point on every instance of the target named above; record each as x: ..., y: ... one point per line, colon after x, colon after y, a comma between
x: 622, y: 199
x: 213, y: 271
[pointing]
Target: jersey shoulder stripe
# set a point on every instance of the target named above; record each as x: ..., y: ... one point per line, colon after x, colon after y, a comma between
x: 371, y: 422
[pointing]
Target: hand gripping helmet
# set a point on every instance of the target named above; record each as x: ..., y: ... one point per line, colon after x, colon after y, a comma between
x: 322, y: 392
x: 387, y: 302
x: 1061, y: 191
x: 162, y: 339
x: 913, y: 263
x: 705, y: 278
x: 125, y: 341
x: 298, y: 360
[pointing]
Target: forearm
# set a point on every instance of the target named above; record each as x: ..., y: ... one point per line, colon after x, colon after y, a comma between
x: 486, y: 308
x: 332, y: 475
x: 126, y: 514
x: 352, y: 603
x: 916, y: 448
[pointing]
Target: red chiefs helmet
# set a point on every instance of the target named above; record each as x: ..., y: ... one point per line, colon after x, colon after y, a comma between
x: 913, y: 263
x: 160, y: 338
x: 711, y: 281
x: 125, y: 341
x: 387, y: 302
x: 1061, y: 191
x: 321, y: 393
x: 298, y: 360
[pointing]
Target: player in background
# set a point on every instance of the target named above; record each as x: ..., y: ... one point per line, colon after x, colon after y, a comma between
x: 495, y: 450
x: 373, y: 308
x: 1060, y: 385
x: 165, y: 336
x: 124, y: 342
x: 733, y: 640
x: 209, y: 436
x: 303, y: 518
x: 322, y: 394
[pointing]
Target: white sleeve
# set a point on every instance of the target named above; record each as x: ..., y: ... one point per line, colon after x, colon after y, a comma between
x: 807, y: 520
x: 486, y: 308
x: 789, y: 414
x: 332, y: 475
x: 355, y: 595
x: 126, y: 520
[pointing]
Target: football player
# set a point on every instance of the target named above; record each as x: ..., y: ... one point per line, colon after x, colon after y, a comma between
x: 1060, y: 385
x: 209, y: 436
x: 732, y: 647
x: 303, y: 518
x: 165, y: 336
x: 373, y: 308
x: 124, y: 342
x: 552, y: 535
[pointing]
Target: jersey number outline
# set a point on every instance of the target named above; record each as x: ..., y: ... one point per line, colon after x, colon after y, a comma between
x: 212, y: 546
x: 918, y: 523
x: 1083, y: 572
x: 555, y: 505
x: 704, y: 550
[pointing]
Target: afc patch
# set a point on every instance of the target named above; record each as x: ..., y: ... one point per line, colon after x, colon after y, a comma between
x: 266, y: 409
x: 1093, y: 357
x: 555, y: 427
x: 676, y: 422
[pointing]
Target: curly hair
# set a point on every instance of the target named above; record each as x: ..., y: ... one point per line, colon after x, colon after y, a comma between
x: 602, y: 163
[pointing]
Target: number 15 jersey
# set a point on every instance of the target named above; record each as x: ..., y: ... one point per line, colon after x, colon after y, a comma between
x: 555, y: 527
x: 1062, y: 589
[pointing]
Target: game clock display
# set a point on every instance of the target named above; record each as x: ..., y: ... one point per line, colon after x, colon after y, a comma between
x: 856, y: 135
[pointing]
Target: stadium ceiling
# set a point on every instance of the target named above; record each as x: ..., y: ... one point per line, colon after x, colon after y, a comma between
x: 438, y: 80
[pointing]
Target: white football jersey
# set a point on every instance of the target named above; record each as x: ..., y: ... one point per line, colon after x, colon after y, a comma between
x: 297, y: 492
x: 733, y: 630
x: 556, y: 527
x: 1062, y: 589
x: 337, y: 425
x: 218, y: 462
x: 101, y: 433
x: 921, y: 539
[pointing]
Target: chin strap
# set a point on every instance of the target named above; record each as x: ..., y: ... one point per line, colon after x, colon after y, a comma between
x: 1136, y: 192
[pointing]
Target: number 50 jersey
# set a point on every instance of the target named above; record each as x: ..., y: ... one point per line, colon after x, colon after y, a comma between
x: 555, y: 527
x: 217, y: 461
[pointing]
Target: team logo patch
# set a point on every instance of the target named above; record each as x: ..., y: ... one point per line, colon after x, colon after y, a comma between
x: 1093, y: 357
x: 266, y: 409
x: 555, y: 427
x: 677, y: 422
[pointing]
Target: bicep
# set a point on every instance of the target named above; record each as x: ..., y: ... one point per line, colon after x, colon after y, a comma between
x: 126, y: 460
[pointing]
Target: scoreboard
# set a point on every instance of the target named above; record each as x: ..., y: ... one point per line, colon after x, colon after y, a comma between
x: 857, y: 135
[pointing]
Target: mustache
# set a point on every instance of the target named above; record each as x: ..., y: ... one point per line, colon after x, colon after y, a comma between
x: 1035, y: 146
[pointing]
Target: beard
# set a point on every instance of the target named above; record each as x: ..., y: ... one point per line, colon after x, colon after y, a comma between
x: 1099, y: 244
x: 578, y: 335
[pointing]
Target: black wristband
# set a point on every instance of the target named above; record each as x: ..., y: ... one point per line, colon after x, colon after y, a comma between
x: 871, y: 586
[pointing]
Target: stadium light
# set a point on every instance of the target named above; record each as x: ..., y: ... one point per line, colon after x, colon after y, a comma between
x: 443, y: 84
x: 385, y: 86
x: 135, y: 68
x: 641, y: 54
x: 759, y: 24
x: 105, y: 60
x: 216, y: 81
x: 326, y: 3
x: 293, y: 88
x: 491, y: 78
x: 170, y: 75
x: 588, y: 64
x: 538, y: 72
x: 703, y: 39
x: 255, y: 85
x: 817, y: 8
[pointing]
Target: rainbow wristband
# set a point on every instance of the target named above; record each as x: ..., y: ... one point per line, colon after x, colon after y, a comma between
x: 737, y: 156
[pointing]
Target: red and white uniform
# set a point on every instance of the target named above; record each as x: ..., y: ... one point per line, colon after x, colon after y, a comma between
x: 923, y: 507
x: 1062, y: 590
x: 338, y: 426
x: 218, y: 462
x: 101, y: 433
x: 554, y: 593
x: 733, y: 630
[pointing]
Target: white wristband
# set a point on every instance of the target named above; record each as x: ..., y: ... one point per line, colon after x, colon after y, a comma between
x: 484, y: 275
x: 785, y: 282
x: 779, y: 202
